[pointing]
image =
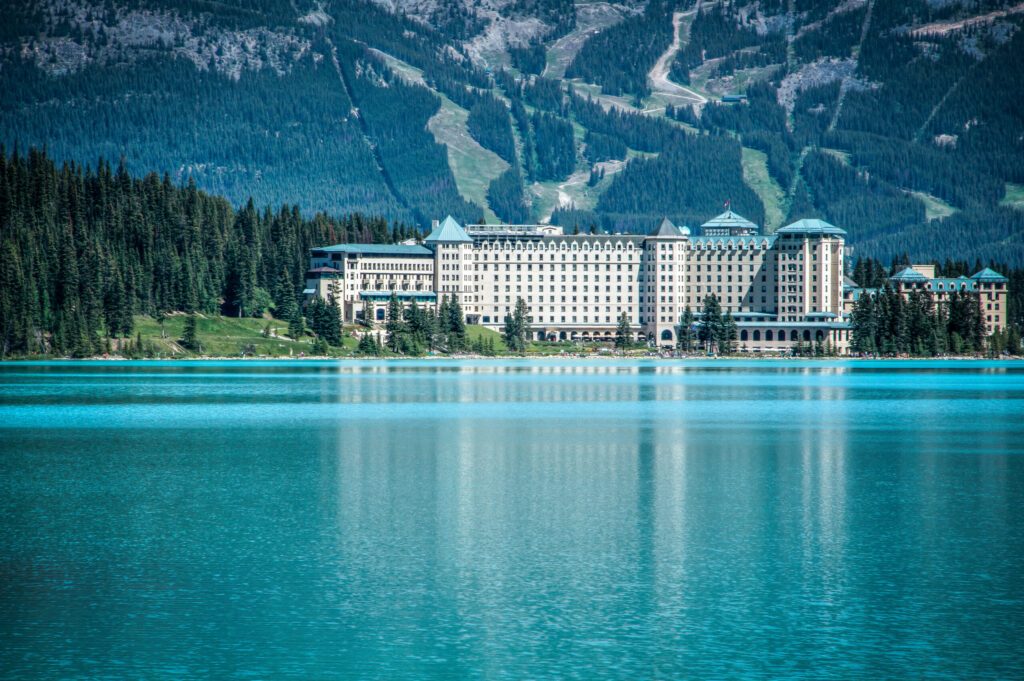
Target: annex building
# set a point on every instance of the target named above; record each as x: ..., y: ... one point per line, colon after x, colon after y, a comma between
x: 782, y: 289
x: 987, y: 285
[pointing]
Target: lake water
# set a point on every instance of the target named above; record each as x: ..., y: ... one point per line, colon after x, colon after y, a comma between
x: 512, y: 520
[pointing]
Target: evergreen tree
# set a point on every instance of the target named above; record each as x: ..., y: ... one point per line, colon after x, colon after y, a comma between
x: 686, y: 335
x: 367, y: 345
x: 623, y: 333
x: 711, y: 332
x: 517, y: 327
x: 864, y: 326
x: 456, y: 327
x: 394, y: 325
x: 190, y: 336
x: 727, y: 341
x: 297, y: 325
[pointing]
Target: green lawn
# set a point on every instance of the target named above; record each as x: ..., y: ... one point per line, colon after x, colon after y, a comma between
x: 227, y: 337
x: 474, y: 331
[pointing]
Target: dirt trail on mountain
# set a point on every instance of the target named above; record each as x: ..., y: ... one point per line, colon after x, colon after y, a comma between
x: 658, y: 76
x: 944, y: 27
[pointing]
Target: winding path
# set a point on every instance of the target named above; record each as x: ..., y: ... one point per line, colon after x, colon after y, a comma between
x: 658, y: 76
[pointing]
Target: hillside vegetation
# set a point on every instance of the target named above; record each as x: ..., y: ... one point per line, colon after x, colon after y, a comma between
x: 900, y: 122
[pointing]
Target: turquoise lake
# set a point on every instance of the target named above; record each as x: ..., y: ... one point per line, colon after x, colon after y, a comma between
x: 512, y: 520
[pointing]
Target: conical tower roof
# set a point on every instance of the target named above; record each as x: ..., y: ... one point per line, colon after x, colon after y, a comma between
x: 448, y: 232
x: 667, y: 229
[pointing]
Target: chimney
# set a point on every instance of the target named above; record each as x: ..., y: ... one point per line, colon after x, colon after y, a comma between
x: 434, y: 224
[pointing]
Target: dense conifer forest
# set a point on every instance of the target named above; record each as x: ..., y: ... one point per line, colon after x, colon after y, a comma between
x: 82, y: 250
x: 606, y: 60
x: 909, y: 140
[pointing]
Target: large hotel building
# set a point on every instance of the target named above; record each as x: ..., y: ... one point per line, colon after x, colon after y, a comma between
x: 782, y: 289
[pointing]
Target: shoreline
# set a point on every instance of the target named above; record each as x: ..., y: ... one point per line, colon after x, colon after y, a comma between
x: 473, y: 357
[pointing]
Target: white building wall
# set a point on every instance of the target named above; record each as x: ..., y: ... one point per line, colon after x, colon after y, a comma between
x: 581, y: 284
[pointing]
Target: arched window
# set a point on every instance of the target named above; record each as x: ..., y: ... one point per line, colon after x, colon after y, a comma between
x: 807, y: 335
x: 769, y: 335
x: 666, y: 335
x: 757, y: 334
x: 792, y: 335
x: 380, y: 314
x: 743, y: 335
x: 819, y: 336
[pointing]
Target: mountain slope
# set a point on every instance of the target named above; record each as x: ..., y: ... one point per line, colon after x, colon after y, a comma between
x: 899, y: 121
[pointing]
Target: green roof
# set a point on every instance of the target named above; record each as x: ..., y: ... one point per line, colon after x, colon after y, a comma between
x: 449, y: 231
x: 811, y: 226
x: 988, y: 274
x: 909, y: 274
x: 378, y: 249
x: 730, y: 220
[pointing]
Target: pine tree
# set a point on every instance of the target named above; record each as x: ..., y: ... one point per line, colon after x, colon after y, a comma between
x: 686, y: 335
x: 367, y: 346
x: 711, y: 332
x: 864, y: 325
x: 394, y: 326
x: 623, y: 332
x: 517, y: 327
x: 727, y: 340
x: 190, y: 336
x: 456, y: 330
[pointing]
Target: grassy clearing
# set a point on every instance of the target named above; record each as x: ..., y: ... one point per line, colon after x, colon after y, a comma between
x: 472, y: 166
x: 607, y: 101
x: 1014, y: 196
x: 475, y: 332
x: 934, y: 207
x: 842, y: 156
x: 228, y: 337
x: 755, y: 174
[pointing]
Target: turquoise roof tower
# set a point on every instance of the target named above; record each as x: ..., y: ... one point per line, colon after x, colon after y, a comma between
x: 908, y: 274
x: 988, y: 274
x: 734, y: 222
x: 811, y: 226
x: 448, y: 232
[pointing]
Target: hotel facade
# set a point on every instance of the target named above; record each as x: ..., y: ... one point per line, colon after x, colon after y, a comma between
x: 782, y: 289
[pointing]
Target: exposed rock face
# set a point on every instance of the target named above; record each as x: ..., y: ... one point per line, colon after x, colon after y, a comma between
x: 817, y: 73
x: 502, y: 33
x: 77, y: 35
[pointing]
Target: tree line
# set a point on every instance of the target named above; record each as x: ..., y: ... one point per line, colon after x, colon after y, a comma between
x: 888, y: 323
x: 82, y: 250
x: 415, y: 330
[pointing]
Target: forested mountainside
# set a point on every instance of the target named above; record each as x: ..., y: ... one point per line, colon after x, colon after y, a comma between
x: 900, y: 122
x: 83, y: 250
